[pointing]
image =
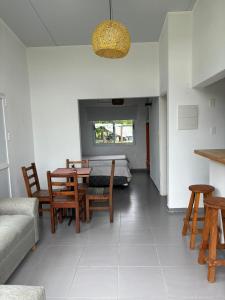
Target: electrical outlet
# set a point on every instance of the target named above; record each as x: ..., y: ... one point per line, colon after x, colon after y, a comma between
x: 212, y: 103
x: 213, y: 130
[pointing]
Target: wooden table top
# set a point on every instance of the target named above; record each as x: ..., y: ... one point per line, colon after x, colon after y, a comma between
x: 217, y: 155
x: 81, y: 172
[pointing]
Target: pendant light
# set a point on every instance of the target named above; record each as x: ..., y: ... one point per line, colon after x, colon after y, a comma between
x: 111, y: 38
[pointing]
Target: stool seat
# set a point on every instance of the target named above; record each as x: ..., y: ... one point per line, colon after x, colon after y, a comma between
x: 215, y: 202
x: 201, y: 188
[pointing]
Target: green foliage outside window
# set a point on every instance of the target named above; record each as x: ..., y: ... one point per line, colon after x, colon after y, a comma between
x: 114, y: 132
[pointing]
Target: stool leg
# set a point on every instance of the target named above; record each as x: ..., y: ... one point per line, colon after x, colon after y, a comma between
x: 205, y: 238
x: 188, y: 214
x: 212, y: 245
x: 194, y: 227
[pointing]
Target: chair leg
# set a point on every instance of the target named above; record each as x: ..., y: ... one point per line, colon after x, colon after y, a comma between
x: 64, y: 212
x: 111, y: 216
x: 52, y: 220
x: 188, y: 214
x: 83, y: 208
x: 34, y: 247
x: 40, y: 210
x: 87, y: 210
x: 194, y: 225
x: 60, y: 217
x: 213, y: 245
x: 77, y: 221
x: 110, y: 211
x: 205, y: 238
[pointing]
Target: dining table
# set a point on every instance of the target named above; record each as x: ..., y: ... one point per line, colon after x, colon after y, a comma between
x: 81, y: 172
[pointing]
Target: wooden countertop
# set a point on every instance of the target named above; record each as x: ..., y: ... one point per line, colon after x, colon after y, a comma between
x: 213, y: 154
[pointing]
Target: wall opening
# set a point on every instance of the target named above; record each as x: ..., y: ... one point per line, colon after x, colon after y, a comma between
x: 132, y: 144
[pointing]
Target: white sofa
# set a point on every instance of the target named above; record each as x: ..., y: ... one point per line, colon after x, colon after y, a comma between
x: 18, y: 232
x: 20, y: 292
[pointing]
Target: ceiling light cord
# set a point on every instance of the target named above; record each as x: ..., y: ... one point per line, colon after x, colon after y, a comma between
x: 110, y: 10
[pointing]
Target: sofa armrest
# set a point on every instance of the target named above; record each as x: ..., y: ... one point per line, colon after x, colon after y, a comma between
x: 21, y: 206
x: 20, y: 292
x: 18, y: 206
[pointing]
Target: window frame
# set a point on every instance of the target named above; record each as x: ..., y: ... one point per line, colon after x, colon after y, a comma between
x: 114, y: 143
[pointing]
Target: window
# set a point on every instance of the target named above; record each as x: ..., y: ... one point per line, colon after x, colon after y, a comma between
x: 114, y: 132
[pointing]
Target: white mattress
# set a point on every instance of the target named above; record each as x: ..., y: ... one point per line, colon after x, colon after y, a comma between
x: 101, y: 165
x: 106, y: 157
x: 106, y: 171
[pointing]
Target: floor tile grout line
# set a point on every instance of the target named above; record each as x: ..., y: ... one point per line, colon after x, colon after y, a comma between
x: 76, y: 270
x: 162, y: 272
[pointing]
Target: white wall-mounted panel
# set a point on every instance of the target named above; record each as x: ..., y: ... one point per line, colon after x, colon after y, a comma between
x: 187, y: 117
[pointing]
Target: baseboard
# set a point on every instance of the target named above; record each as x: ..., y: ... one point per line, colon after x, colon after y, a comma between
x: 139, y: 170
x: 176, y: 210
x: 181, y: 210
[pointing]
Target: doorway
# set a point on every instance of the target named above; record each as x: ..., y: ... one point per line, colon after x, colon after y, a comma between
x: 5, y: 183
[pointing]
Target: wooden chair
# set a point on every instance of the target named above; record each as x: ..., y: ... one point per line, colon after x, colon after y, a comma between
x: 211, y: 236
x: 192, y: 211
x: 66, y: 197
x: 101, y: 195
x: 33, y: 187
x: 82, y: 186
x: 77, y: 163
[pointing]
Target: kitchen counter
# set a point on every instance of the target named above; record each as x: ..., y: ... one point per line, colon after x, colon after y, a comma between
x: 217, y: 155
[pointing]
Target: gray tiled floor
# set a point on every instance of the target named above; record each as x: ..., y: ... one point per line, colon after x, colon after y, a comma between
x: 140, y: 256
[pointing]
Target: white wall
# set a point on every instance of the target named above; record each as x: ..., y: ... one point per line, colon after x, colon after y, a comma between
x: 154, y: 142
x: 163, y: 145
x: 61, y: 75
x: 14, y: 85
x: 163, y: 126
x: 208, y: 41
x: 136, y: 152
x: 163, y: 58
x: 185, y: 168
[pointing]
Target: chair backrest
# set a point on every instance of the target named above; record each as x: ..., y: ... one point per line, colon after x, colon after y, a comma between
x: 62, y: 185
x: 77, y: 163
x: 31, y: 179
x: 111, y: 178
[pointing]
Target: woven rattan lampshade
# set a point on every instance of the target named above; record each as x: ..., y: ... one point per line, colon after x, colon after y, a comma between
x: 111, y: 39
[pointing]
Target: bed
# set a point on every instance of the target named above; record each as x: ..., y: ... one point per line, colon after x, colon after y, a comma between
x: 101, y: 167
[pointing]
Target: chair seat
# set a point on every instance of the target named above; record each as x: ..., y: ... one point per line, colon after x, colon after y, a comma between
x: 60, y: 199
x: 98, y: 191
x: 201, y: 188
x: 215, y: 202
x: 41, y: 194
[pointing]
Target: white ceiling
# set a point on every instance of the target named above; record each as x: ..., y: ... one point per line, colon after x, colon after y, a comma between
x: 71, y: 22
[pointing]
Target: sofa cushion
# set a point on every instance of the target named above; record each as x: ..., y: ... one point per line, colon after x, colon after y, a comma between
x: 16, y: 292
x: 12, y: 229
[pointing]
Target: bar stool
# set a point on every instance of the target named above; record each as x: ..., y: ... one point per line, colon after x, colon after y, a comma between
x: 192, y: 211
x: 211, y: 235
